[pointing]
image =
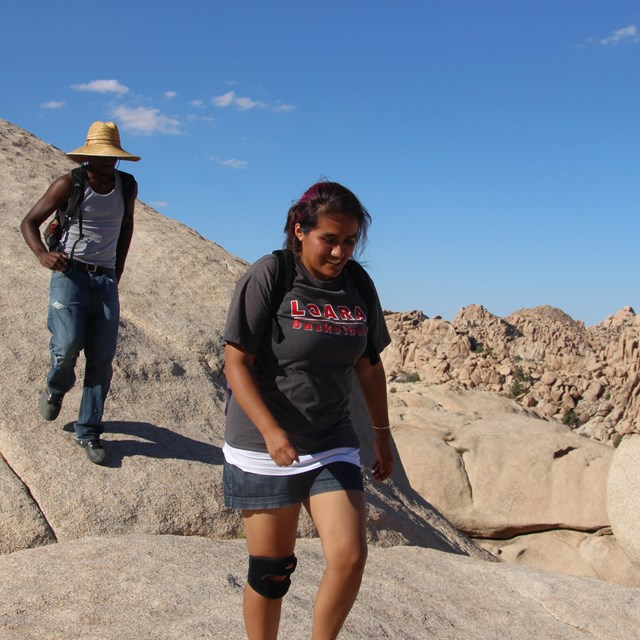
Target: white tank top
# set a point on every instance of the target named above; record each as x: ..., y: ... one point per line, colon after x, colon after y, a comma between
x: 101, y: 222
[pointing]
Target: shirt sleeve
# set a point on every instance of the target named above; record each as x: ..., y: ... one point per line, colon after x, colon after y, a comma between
x: 250, y: 313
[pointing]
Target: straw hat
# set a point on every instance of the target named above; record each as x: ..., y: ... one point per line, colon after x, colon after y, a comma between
x: 103, y: 140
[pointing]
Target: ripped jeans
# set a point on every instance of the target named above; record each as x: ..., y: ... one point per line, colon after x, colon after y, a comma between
x: 84, y: 312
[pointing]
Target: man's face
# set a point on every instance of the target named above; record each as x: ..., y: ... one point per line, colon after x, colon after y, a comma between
x: 102, y: 165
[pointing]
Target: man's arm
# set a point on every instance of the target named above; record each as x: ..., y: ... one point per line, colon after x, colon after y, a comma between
x: 56, y: 197
x: 126, y: 233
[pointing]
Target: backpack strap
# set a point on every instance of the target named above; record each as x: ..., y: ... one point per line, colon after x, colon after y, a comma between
x: 78, y: 177
x: 128, y: 182
x: 365, y: 288
x: 282, y: 284
x: 53, y: 230
x: 284, y: 276
x: 362, y: 281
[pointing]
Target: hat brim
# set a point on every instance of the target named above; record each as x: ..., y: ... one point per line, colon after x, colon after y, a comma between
x: 101, y: 151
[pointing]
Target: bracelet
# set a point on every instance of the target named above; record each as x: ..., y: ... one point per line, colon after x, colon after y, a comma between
x: 382, y: 428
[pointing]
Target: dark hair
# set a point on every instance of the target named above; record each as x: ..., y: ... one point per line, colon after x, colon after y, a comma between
x: 323, y: 198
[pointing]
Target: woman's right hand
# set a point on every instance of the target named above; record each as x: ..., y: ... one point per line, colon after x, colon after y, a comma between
x: 280, y: 448
x: 238, y: 367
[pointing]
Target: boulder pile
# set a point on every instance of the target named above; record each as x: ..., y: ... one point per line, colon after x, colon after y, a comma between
x: 585, y: 377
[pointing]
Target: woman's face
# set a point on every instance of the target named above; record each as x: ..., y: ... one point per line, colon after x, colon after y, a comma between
x: 326, y: 249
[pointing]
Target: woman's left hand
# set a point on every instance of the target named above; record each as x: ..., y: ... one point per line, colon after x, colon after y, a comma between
x: 383, y: 466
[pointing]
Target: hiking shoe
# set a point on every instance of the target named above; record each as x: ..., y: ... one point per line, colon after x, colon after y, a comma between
x: 50, y: 404
x: 94, y: 449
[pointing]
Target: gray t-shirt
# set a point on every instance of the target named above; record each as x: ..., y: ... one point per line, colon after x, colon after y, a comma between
x: 304, y: 357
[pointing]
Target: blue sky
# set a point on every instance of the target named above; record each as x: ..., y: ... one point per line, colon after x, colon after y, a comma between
x: 495, y: 143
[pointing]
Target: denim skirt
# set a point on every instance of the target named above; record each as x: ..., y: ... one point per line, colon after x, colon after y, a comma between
x: 244, y: 490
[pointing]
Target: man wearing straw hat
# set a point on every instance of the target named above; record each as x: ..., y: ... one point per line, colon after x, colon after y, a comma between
x: 87, y: 264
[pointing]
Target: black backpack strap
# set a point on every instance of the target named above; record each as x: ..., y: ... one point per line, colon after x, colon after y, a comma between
x: 128, y: 182
x: 78, y: 177
x: 363, y: 282
x: 283, y: 281
x: 282, y: 284
x: 366, y: 289
x: 53, y: 231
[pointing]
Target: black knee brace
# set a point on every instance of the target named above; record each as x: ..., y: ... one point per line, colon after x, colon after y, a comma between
x: 261, y: 569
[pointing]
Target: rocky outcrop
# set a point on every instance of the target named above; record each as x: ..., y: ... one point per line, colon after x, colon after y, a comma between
x: 501, y: 474
x: 586, y: 377
x: 496, y: 474
x: 596, y: 555
x: 168, y: 587
x: 623, y: 496
x: 22, y: 523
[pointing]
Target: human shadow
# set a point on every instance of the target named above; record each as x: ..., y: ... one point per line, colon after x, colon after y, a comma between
x: 155, y: 442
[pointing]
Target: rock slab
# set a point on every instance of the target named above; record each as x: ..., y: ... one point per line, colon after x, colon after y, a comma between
x: 168, y: 587
x: 623, y: 496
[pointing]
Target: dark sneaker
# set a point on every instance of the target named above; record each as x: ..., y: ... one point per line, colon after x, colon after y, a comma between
x: 95, y: 451
x: 50, y: 404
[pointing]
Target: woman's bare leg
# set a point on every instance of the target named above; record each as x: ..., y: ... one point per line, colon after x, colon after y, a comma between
x: 270, y: 533
x: 340, y: 518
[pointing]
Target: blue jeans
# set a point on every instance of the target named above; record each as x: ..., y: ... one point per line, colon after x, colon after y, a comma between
x: 84, y: 312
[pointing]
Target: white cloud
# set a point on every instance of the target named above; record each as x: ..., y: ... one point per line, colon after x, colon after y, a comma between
x: 283, y: 108
x: 170, y: 94
x: 102, y: 86
x: 244, y: 103
x: 232, y: 162
x: 53, y: 104
x: 626, y: 34
x: 247, y: 103
x: 158, y: 204
x: 145, y: 120
x: 224, y: 100
x: 194, y: 117
x: 197, y: 103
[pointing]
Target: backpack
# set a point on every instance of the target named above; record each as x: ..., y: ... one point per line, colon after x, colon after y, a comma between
x: 53, y: 231
x: 284, y: 277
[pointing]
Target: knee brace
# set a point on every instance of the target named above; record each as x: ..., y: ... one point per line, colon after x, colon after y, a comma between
x: 261, y: 569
